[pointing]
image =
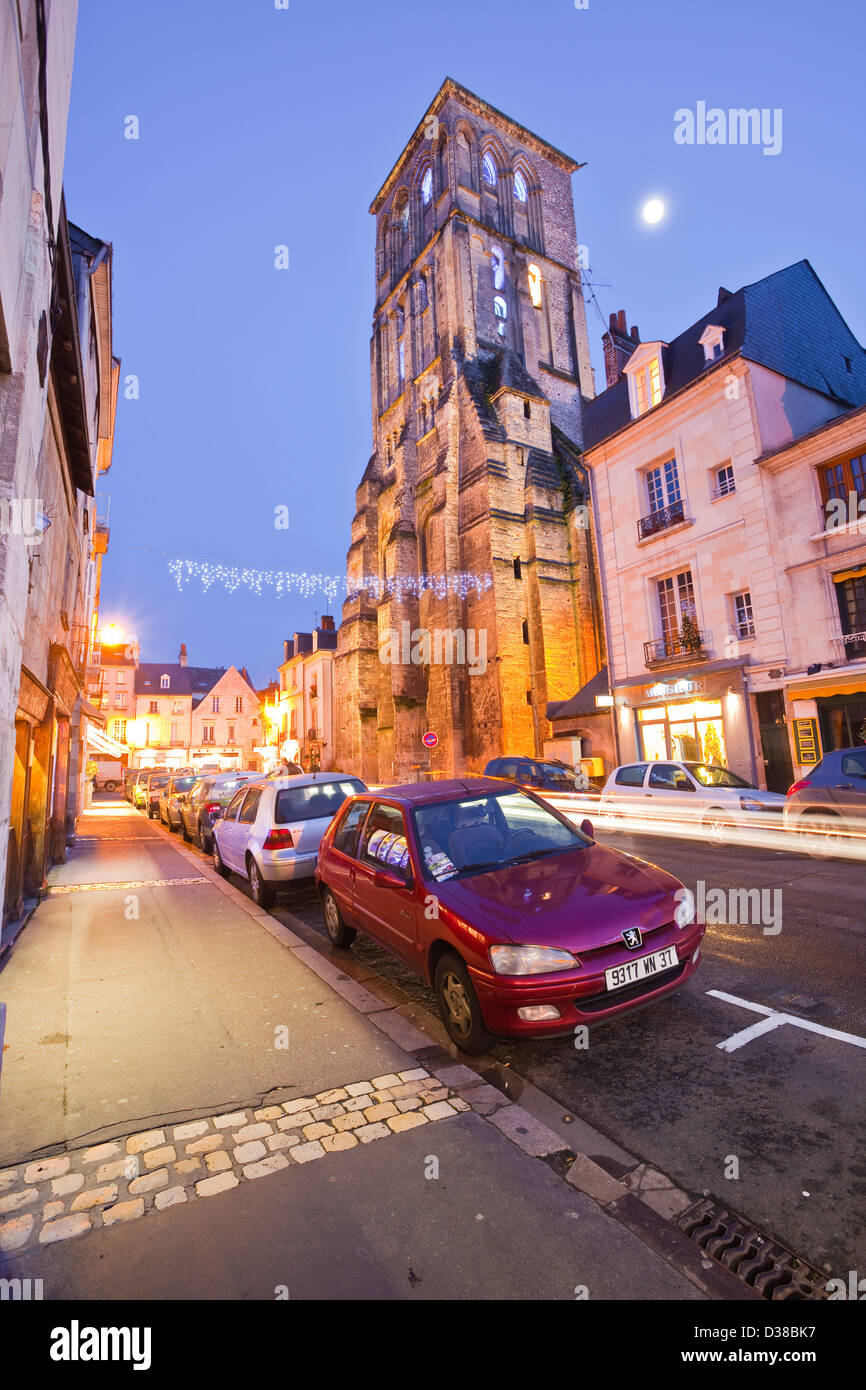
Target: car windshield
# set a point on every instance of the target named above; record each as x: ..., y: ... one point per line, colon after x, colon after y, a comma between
x: 158, y: 781
x: 712, y: 776
x: 482, y: 833
x: 182, y: 784
x: 318, y: 800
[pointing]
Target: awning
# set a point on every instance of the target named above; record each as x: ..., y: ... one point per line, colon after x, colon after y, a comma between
x: 103, y: 743
x: 833, y: 685
x: 858, y: 573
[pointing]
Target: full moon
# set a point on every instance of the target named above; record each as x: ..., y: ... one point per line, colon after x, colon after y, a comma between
x: 653, y: 210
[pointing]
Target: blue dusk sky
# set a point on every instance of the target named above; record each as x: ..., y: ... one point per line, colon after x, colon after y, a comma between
x: 262, y: 126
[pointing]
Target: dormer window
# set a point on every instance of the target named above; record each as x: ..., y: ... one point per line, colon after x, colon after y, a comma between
x: 646, y: 380
x: 647, y: 386
x: 712, y: 340
x: 164, y: 682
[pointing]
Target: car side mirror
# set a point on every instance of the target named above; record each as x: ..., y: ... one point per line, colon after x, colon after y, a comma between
x: 587, y: 829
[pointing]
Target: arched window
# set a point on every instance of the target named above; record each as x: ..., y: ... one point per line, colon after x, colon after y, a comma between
x: 500, y: 309
x: 488, y: 169
x: 427, y: 186
x: 521, y: 192
x: 535, y: 295
x: 497, y: 262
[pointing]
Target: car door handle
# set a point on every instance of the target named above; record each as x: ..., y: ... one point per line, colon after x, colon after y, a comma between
x: 404, y: 913
x: 843, y: 786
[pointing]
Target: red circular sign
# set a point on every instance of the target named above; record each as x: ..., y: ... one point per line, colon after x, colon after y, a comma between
x: 430, y: 739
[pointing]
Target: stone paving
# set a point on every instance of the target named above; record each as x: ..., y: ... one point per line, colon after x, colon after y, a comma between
x: 69, y: 1194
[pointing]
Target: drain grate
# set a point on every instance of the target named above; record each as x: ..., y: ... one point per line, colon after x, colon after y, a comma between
x: 764, y: 1264
x: 432, y: 1056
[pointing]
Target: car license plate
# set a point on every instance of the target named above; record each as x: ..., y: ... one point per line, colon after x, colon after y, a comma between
x: 631, y: 972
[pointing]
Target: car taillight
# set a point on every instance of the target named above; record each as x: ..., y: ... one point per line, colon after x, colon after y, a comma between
x: 279, y: 839
x: 212, y: 808
x: 798, y: 786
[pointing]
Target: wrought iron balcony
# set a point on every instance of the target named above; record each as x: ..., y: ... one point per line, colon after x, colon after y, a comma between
x: 672, y: 650
x: 660, y: 520
x: 853, y: 645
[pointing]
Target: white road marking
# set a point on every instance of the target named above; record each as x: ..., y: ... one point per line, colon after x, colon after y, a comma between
x: 773, y: 1019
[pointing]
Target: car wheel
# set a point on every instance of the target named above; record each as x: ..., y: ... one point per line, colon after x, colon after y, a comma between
x: 151, y: 814
x: 263, y: 893
x: 110, y: 787
x: 172, y: 827
x: 205, y: 841
x: 458, y: 1005
x: 218, y: 861
x: 820, y: 836
x: 719, y: 828
x: 339, y: 933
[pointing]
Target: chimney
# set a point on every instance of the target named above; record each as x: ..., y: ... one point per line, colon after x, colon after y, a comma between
x: 288, y: 650
x: 181, y: 656
x: 327, y: 623
x: 618, y: 347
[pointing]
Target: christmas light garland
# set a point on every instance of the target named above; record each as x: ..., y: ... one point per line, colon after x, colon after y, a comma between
x: 284, y: 582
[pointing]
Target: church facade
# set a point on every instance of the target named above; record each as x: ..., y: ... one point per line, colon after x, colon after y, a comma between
x: 472, y: 583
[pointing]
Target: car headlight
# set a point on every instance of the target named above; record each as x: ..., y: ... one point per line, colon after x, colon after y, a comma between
x: 749, y: 804
x: 530, y: 960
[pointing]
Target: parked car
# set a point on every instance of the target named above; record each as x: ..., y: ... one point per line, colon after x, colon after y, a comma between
x: 139, y: 790
x: 153, y: 789
x: 270, y: 831
x: 540, y: 774
x: 130, y: 776
x: 828, y: 806
x: 171, y: 798
x: 704, y: 794
x: 519, y: 921
x: 206, y: 800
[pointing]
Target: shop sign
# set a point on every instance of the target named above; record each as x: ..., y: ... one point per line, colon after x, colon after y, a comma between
x: 807, y: 741
x: 667, y: 690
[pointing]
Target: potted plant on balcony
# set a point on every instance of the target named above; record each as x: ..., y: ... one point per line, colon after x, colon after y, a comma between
x: 690, y: 637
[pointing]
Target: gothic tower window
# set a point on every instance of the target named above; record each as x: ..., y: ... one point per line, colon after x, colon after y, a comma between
x: 488, y: 169
x: 500, y: 309
x: 535, y: 294
x: 465, y: 158
x: 497, y: 262
x: 427, y: 186
x: 521, y: 192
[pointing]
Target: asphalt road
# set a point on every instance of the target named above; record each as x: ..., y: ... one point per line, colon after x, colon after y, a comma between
x: 786, y: 1111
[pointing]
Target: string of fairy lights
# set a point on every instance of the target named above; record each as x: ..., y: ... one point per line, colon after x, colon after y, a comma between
x: 284, y: 582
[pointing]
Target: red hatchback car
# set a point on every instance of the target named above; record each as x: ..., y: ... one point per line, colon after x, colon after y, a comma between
x: 523, y: 925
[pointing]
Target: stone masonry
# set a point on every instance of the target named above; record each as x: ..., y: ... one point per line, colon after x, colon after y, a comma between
x: 479, y: 367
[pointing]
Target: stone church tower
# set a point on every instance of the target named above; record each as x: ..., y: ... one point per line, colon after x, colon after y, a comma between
x: 472, y: 517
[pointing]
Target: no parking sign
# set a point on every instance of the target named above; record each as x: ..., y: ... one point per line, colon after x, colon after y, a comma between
x: 430, y: 739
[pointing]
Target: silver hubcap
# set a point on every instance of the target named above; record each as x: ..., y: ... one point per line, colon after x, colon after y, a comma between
x: 332, y: 921
x: 216, y: 855
x: 457, y: 1003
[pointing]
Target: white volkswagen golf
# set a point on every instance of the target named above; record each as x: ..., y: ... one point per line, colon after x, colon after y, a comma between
x: 270, y: 831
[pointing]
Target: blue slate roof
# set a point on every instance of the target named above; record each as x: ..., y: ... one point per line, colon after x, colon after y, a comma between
x: 786, y: 322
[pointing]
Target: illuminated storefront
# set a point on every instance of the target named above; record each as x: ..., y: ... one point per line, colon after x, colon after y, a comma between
x: 689, y: 730
x: 690, y: 718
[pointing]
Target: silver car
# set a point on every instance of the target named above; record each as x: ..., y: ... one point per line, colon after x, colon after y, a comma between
x: 270, y: 831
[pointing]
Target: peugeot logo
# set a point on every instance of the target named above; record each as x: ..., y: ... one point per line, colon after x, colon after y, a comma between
x: 632, y: 938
